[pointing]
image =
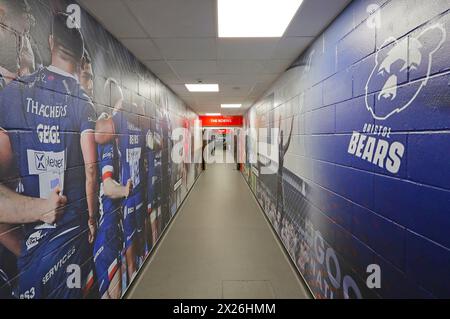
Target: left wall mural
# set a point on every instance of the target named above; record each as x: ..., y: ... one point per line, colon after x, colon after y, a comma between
x: 87, y: 180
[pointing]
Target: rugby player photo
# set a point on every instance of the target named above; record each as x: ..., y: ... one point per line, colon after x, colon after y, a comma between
x: 130, y: 142
x: 57, y: 113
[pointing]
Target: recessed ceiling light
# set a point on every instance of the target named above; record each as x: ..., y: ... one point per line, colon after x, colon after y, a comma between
x: 255, y: 18
x: 231, y: 106
x: 213, y: 114
x: 202, y: 87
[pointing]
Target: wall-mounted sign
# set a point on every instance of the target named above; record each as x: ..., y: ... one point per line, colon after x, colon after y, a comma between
x: 214, y: 121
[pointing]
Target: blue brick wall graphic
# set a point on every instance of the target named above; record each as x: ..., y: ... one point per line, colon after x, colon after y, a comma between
x: 368, y: 177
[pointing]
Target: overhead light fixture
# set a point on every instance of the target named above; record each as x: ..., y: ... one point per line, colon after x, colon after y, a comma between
x: 213, y: 114
x: 202, y: 87
x: 231, y: 106
x: 255, y: 18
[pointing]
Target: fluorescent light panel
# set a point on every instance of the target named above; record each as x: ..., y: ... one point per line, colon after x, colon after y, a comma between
x: 255, y: 18
x: 213, y: 114
x: 202, y: 87
x: 231, y: 106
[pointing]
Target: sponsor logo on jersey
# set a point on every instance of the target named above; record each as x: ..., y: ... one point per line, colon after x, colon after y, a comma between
x: 133, y: 154
x: 98, y: 252
x: 107, y: 155
x: 46, y: 111
x: 134, y: 139
x: 128, y: 211
x: 132, y: 127
x: 56, y: 267
x: 39, y: 162
x: 131, y: 236
x: 34, y: 238
x: 48, y: 134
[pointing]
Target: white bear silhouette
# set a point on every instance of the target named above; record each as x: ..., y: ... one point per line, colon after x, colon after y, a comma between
x: 393, y: 64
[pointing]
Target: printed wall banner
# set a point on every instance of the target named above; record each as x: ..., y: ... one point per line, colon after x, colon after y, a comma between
x: 87, y: 181
x: 361, y: 198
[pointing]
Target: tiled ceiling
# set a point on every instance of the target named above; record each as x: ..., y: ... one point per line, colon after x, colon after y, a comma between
x: 177, y: 40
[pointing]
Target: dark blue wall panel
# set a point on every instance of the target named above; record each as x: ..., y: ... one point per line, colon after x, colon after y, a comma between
x: 372, y: 185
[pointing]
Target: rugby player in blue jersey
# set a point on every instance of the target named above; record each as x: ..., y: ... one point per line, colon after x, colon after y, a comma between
x: 153, y: 207
x: 49, y: 120
x: 16, y: 59
x: 108, y: 244
x: 130, y: 143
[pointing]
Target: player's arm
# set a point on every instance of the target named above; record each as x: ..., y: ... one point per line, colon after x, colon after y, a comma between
x: 6, y: 154
x: 111, y: 188
x: 104, y: 130
x: 19, y: 209
x: 114, y: 190
x: 89, y: 150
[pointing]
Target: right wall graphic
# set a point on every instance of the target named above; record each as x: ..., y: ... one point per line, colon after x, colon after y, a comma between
x: 357, y: 184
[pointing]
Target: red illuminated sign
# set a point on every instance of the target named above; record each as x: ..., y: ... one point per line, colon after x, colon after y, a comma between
x: 214, y: 121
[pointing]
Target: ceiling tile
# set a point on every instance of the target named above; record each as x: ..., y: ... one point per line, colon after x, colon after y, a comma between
x: 178, y: 41
x: 189, y: 100
x: 187, y: 49
x: 235, y: 90
x: 170, y: 79
x: 231, y: 79
x: 175, y: 18
x: 159, y: 66
x: 290, y: 48
x: 311, y: 18
x: 258, y: 89
x: 125, y: 27
x: 162, y: 70
x: 144, y: 49
x: 187, y: 67
x: 181, y: 90
x: 276, y: 66
x: 240, y: 66
x: 246, y: 49
x: 202, y: 109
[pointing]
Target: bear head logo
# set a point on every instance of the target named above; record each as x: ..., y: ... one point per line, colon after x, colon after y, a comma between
x: 392, y: 64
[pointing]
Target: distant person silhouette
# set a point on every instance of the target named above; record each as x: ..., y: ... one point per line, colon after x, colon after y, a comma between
x: 282, y: 150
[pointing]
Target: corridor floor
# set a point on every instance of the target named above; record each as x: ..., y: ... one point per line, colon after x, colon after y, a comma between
x: 219, y: 246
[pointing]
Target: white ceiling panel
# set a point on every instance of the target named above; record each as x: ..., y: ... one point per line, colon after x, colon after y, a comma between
x: 181, y: 90
x: 159, y: 67
x: 107, y: 12
x: 186, y: 67
x: 246, y: 49
x: 170, y: 79
x: 274, y: 66
x: 313, y: 16
x: 258, y: 89
x: 187, y: 49
x: 144, y: 49
x: 177, y: 40
x: 288, y: 48
x: 240, y: 66
x: 176, y: 18
x: 229, y: 79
